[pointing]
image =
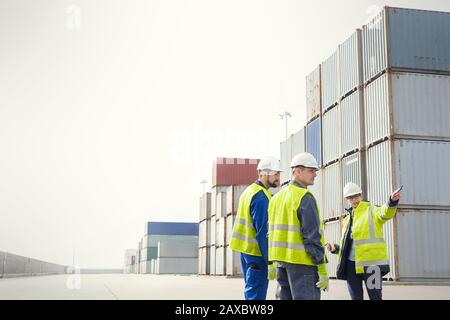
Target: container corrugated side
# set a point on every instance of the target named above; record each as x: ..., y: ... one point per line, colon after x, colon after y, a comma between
x: 221, y: 204
x: 205, y: 206
x: 234, y: 171
x: 203, y: 261
x: 313, y: 94
x: 350, y: 63
x: 229, y: 228
x: 177, y: 249
x: 298, y: 142
x: 420, y: 105
x: 330, y: 81
x: 332, y: 234
x: 314, y: 139
x: 220, y: 260
x: 352, y: 124
x: 332, y: 192
x: 388, y: 234
x: 424, y: 244
x: 233, y: 262
x: 220, y: 231
x: 374, y: 46
x: 418, y: 39
x: 379, y: 173
x: 233, y: 195
x: 331, y: 135
x: 152, y: 240
x: 212, y: 260
x: 316, y: 190
x: 376, y: 111
x: 176, y: 265
x: 212, y: 231
x: 204, y: 237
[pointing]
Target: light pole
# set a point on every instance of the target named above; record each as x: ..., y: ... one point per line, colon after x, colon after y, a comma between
x: 285, y: 116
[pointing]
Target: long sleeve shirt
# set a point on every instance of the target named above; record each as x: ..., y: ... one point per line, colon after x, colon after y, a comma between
x: 258, y: 212
x: 310, y: 226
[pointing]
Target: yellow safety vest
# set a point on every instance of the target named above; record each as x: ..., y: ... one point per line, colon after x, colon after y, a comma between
x: 286, y: 242
x: 367, y: 230
x: 244, y: 234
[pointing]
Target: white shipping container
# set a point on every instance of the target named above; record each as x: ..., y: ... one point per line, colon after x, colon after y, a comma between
x: 220, y: 260
x: 285, y: 159
x: 204, y: 235
x: 332, y: 191
x: 152, y: 240
x: 419, y: 105
x: 177, y: 249
x: 332, y: 234
x: 229, y: 229
x: 233, y: 262
x: 212, y: 231
x: 395, y: 163
x: 331, y: 145
x: 221, y: 204
x: 203, y: 261
x: 212, y: 260
x: 313, y: 94
x: 298, y: 143
x: 233, y: 195
x: 176, y: 265
x: 352, y: 122
x: 350, y: 63
x: 388, y: 233
x: 205, y: 206
x: 214, y: 192
x: 424, y: 244
x: 330, y: 81
x: 220, y: 231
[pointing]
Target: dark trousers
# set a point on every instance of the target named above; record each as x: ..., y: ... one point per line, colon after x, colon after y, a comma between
x: 297, y: 282
x: 355, y: 281
x: 255, y: 277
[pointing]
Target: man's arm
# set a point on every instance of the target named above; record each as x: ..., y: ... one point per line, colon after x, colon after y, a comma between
x: 258, y: 212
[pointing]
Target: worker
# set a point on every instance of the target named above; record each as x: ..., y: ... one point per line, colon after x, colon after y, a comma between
x: 296, y: 242
x: 363, y: 255
x: 250, y: 230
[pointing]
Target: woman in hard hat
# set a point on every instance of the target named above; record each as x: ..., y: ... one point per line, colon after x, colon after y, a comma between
x: 363, y: 255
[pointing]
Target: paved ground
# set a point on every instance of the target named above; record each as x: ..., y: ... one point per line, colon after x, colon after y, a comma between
x: 168, y: 287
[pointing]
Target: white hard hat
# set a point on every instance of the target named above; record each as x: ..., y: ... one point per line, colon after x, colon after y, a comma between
x: 351, y: 189
x: 269, y: 164
x: 304, y: 159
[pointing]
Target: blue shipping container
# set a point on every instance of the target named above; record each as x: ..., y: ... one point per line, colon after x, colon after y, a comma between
x: 172, y: 228
x: 314, y: 139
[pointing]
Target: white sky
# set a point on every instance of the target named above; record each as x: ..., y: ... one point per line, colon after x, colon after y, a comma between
x: 112, y: 124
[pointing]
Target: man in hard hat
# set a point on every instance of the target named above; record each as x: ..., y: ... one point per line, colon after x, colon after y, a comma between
x: 296, y: 240
x: 250, y: 229
x: 363, y: 255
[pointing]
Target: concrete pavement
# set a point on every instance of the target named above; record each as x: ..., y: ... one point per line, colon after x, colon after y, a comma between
x: 172, y: 287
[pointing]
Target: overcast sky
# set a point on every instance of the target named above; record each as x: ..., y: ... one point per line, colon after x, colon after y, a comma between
x: 111, y: 112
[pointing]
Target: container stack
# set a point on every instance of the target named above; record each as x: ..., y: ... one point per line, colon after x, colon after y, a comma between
x: 294, y: 145
x: 160, y: 245
x: 204, y: 236
x: 130, y: 261
x: 377, y: 114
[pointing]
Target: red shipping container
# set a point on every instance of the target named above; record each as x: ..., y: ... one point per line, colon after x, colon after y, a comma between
x: 234, y: 171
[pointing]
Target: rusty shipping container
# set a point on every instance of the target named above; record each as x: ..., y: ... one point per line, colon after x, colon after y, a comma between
x: 234, y: 171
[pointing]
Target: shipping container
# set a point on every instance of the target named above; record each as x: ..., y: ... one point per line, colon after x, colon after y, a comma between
x: 214, y: 192
x: 149, y: 253
x: 221, y: 205
x: 229, y: 228
x: 285, y: 159
x: 233, y: 262
x: 317, y: 191
x: 171, y: 228
x: 220, y: 260
x: 350, y: 64
x: 205, y: 206
x: 418, y: 105
x: 298, y: 142
x: 331, y: 144
x: 204, y: 238
x: 234, y: 171
x: 353, y: 169
x: 332, y: 191
x: 176, y: 266
x: 332, y: 234
x: 424, y: 244
x: 220, y: 231
x: 313, y: 94
x: 392, y: 164
x: 152, y: 240
x: 388, y: 234
x: 212, y: 231
x: 177, y: 249
x: 314, y: 139
x: 233, y: 195
x: 352, y: 122
x: 406, y: 39
x: 330, y: 82
x: 203, y: 261
x: 212, y: 260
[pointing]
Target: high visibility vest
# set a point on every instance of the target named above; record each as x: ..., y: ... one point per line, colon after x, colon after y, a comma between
x: 286, y: 242
x: 243, y: 238
x: 367, y: 230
